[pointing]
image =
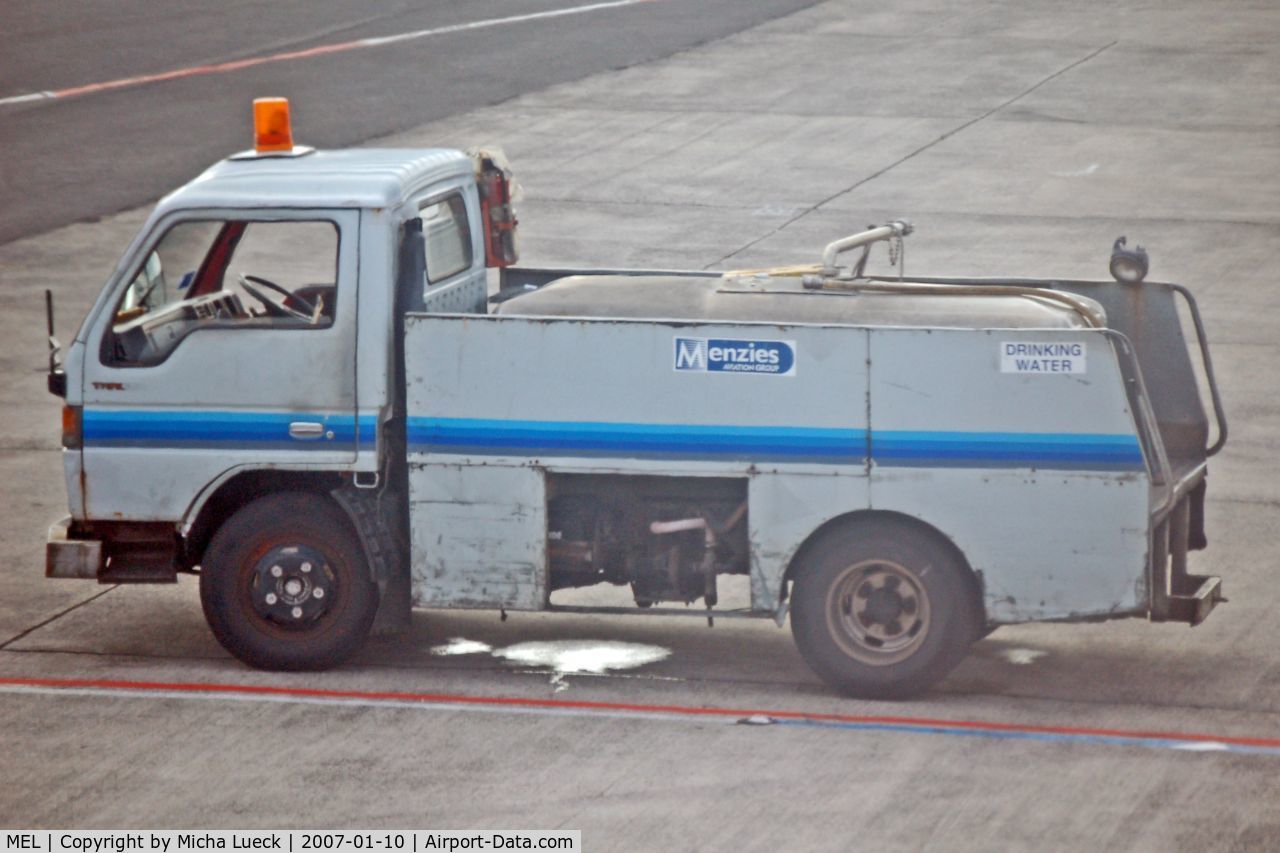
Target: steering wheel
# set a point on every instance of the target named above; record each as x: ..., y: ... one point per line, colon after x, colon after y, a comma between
x: 251, y: 285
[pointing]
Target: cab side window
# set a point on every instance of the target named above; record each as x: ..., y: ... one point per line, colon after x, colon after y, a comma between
x: 237, y: 273
x: 446, y: 235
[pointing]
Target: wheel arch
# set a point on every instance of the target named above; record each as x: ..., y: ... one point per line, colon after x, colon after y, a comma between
x: 882, y: 518
x: 239, y: 490
x: 284, y: 585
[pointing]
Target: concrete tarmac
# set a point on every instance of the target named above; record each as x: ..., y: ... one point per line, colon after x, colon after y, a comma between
x: 84, y: 156
x: 1021, y: 139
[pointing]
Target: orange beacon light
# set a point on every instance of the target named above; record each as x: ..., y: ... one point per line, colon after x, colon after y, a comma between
x: 271, y: 130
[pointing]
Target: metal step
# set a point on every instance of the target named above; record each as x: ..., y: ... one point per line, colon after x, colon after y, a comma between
x: 140, y: 561
x: 1194, y: 607
x: 144, y: 572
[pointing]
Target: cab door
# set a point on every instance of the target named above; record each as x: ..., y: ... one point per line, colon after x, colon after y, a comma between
x: 231, y: 346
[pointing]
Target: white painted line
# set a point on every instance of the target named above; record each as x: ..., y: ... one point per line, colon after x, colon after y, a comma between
x: 320, y: 50
x: 22, y: 99
x: 493, y: 22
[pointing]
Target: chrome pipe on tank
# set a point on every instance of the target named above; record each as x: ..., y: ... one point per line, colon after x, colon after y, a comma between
x: 896, y: 228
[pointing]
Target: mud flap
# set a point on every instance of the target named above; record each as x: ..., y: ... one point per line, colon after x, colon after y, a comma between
x: 385, y: 554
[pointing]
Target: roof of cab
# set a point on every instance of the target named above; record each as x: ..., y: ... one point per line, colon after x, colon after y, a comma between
x: 361, y: 177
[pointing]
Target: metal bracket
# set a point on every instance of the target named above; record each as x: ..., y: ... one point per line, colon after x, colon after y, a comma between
x: 1203, y: 344
x: 1177, y: 595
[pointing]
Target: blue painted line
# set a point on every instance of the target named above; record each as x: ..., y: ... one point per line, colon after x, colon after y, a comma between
x: 1040, y: 736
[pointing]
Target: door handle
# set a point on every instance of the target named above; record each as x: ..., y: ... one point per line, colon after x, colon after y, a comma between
x: 306, y: 430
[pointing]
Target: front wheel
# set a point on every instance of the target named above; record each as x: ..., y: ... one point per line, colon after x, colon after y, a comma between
x: 881, y: 610
x: 284, y: 584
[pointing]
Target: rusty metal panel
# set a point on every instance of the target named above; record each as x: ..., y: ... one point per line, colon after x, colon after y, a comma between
x: 1045, y: 544
x: 479, y: 536
x: 785, y: 509
x: 1037, y: 476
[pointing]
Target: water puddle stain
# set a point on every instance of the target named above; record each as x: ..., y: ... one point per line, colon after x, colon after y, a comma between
x: 461, y: 646
x: 1022, y: 657
x: 563, y: 657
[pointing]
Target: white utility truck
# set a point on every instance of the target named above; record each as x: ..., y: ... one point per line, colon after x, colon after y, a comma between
x: 297, y: 385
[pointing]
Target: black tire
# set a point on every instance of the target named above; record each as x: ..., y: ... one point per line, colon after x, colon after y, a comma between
x: 284, y: 584
x: 881, y: 609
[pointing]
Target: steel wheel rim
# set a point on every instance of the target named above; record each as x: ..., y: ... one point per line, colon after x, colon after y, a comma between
x: 292, y: 588
x: 878, y: 612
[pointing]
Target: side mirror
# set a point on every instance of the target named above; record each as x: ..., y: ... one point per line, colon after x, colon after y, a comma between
x: 57, y: 379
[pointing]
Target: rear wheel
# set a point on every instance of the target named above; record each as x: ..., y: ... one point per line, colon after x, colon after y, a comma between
x: 882, y: 609
x: 284, y: 584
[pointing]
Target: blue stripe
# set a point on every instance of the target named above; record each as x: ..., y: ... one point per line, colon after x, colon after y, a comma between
x: 1005, y: 450
x: 890, y: 448
x: 658, y: 441
x: 184, y: 428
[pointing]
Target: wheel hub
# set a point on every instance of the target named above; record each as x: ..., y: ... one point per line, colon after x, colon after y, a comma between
x: 883, y: 607
x: 881, y: 611
x: 292, y: 585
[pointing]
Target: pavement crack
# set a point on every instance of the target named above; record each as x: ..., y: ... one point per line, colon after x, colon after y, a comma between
x: 666, y: 152
x: 923, y: 148
x: 55, y: 617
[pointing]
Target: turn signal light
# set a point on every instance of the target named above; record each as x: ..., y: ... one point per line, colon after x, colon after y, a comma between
x: 271, y: 129
x: 72, y: 427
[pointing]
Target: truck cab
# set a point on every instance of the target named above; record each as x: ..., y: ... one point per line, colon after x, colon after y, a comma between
x: 227, y: 342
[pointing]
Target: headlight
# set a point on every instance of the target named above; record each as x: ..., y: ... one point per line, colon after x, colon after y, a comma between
x: 1128, y: 266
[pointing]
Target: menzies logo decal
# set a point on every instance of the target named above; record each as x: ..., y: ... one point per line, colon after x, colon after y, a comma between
x: 717, y: 355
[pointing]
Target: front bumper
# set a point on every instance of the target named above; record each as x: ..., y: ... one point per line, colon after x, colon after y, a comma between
x: 71, y: 558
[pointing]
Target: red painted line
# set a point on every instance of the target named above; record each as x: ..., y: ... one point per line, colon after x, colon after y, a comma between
x: 198, y: 70
x: 630, y: 707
